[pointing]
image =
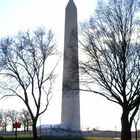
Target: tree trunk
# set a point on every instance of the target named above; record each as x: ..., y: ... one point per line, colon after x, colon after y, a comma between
x: 35, y: 137
x: 24, y: 128
x: 126, y: 126
x: 27, y: 126
x: 136, y: 132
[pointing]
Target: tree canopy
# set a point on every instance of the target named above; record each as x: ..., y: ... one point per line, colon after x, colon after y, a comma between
x: 111, y: 42
x: 27, y: 70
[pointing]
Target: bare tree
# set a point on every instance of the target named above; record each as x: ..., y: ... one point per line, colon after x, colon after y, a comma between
x: 112, y: 46
x: 28, y: 67
x: 4, y: 120
x: 25, y: 119
x: 13, y: 116
x: 1, y: 118
x: 136, y: 121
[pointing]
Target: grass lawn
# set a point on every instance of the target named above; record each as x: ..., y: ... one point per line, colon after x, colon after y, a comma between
x: 21, y: 137
x: 58, y: 138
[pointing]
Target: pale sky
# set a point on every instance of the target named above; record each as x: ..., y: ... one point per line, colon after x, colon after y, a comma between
x: 16, y: 15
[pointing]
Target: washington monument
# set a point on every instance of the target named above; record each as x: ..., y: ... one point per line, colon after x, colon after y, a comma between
x: 70, y: 116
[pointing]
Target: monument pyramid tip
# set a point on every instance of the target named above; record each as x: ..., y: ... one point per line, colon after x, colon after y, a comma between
x: 71, y: 2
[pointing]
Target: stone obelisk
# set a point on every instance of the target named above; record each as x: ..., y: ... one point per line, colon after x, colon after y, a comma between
x: 70, y: 116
